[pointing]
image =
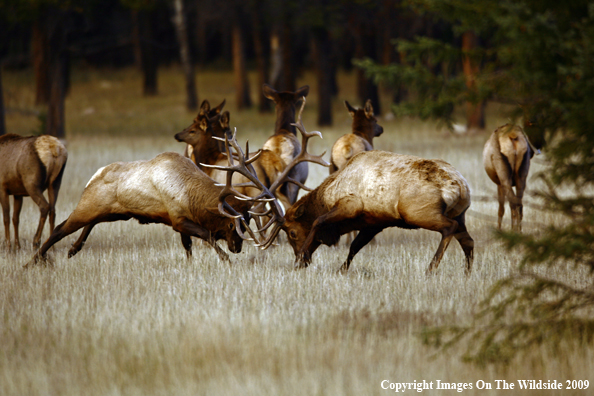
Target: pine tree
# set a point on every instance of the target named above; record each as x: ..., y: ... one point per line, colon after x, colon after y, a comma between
x: 537, y: 55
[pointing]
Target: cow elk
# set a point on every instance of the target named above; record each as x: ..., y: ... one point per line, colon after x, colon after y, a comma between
x: 375, y: 190
x: 204, y: 136
x: 506, y: 157
x: 284, y: 142
x: 168, y: 189
x: 29, y: 166
x: 207, y: 113
x: 364, y: 129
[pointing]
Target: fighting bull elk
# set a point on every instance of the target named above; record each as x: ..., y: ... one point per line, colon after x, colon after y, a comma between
x: 364, y: 129
x: 506, y: 157
x: 284, y: 142
x: 29, y: 166
x: 375, y: 190
x: 168, y: 189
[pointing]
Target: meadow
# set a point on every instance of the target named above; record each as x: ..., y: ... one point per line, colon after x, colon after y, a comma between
x: 130, y: 315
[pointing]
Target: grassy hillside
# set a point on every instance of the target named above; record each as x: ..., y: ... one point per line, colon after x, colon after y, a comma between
x: 129, y: 315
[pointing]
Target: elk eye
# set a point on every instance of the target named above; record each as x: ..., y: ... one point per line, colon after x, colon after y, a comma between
x: 231, y: 226
x: 292, y: 234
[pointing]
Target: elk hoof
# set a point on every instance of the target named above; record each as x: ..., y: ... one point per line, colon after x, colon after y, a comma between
x: 72, y: 251
x: 38, y: 260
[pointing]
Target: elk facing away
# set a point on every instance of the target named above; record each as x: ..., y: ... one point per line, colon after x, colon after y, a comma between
x: 375, y: 190
x: 365, y: 128
x: 29, y: 166
x: 506, y: 157
x: 167, y: 189
x: 284, y: 142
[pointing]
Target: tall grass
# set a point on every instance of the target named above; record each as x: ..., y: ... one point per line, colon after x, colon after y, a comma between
x: 129, y: 315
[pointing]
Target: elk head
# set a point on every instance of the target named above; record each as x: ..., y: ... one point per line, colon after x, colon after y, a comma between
x: 364, y: 121
x: 285, y: 102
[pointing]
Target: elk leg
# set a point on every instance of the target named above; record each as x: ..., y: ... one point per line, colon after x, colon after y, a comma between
x: 346, y: 208
x: 190, y: 228
x: 77, y: 246
x: 520, y: 187
x: 362, y: 239
x: 447, y: 227
x: 187, y: 243
x: 61, y: 231
x: 466, y: 242
x: 44, y: 208
x: 5, y: 201
x: 18, y: 204
x: 501, y: 199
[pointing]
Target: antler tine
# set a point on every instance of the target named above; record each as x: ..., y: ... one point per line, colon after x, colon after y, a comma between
x: 302, y: 156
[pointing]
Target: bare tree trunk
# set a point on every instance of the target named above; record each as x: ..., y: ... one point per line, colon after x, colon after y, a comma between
x: 322, y: 50
x: 184, y: 50
x: 261, y: 59
x: 242, y: 87
x: 147, y: 54
x: 288, y: 82
x: 56, y: 34
x: 2, y: 121
x: 136, y: 40
x: 475, y: 112
x: 39, y: 47
x: 366, y: 88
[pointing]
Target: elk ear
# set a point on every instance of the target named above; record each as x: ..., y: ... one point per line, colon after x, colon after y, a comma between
x: 368, y: 109
x: 350, y: 109
x: 214, y: 210
x: 218, y: 109
x: 301, y: 92
x: 225, y: 120
x: 204, y: 108
x: 203, y: 124
x: 299, y: 211
x: 269, y: 92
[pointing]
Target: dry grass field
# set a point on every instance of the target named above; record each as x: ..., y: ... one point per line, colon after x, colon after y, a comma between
x: 129, y: 315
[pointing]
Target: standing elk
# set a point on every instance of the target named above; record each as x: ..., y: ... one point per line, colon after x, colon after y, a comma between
x: 201, y: 137
x: 29, y: 166
x: 364, y: 129
x: 375, y: 190
x: 506, y: 157
x: 167, y: 189
x: 284, y: 142
x: 205, y: 112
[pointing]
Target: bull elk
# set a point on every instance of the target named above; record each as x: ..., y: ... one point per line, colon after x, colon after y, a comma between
x: 168, y: 189
x: 364, y: 129
x: 284, y: 142
x: 506, y: 157
x: 374, y: 191
x: 29, y: 166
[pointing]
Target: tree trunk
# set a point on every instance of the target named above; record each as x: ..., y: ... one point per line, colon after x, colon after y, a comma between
x: 2, y: 121
x: 39, y: 48
x: 184, y: 51
x: 366, y: 88
x: 322, y: 50
x: 136, y: 46
x: 475, y: 110
x: 288, y: 82
x: 242, y: 87
x: 147, y: 54
x: 56, y: 34
x: 261, y: 59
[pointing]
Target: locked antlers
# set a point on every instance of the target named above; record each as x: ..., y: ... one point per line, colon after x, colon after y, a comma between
x: 267, y: 195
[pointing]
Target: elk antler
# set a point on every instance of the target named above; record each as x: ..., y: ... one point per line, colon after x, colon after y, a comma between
x: 284, y: 176
x: 267, y: 196
x: 244, y: 168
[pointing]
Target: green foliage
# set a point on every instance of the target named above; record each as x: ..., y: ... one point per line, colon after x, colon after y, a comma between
x: 537, y: 55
